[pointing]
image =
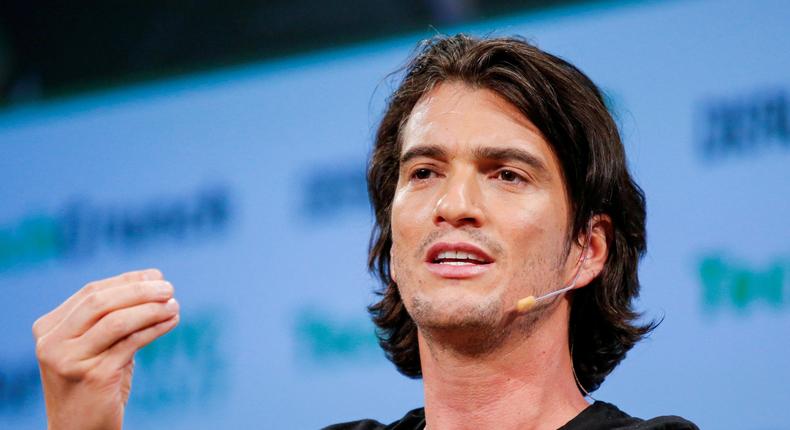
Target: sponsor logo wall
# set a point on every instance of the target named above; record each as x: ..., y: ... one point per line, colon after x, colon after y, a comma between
x: 247, y: 189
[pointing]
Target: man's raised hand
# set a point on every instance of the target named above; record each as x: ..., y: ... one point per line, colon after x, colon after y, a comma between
x: 85, y: 347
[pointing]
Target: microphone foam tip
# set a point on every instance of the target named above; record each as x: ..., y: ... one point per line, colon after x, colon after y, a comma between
x: 525, y: 304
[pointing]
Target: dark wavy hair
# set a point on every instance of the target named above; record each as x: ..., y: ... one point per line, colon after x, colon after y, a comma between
x: 570, y: 112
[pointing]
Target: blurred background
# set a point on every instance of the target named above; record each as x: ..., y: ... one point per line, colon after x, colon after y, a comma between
x: 226, y: 143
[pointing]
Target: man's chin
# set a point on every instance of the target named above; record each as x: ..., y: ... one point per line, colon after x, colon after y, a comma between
x: 469, y: 330
x: 458, y: 313
x: 469, y: 325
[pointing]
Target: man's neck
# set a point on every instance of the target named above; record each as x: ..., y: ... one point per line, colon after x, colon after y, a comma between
x: 524, y: 384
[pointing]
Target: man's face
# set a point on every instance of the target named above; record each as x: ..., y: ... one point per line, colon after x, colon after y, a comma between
x: 480, y: 212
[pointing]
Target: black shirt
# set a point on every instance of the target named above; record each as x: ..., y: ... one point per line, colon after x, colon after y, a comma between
x: 598, y: 416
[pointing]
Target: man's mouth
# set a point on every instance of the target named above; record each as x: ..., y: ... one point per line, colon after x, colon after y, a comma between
x: 457, y: 260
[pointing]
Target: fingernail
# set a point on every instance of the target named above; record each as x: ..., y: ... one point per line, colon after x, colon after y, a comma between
x: 164, y: 289
x: 171, y: 305
x: 151, y: 275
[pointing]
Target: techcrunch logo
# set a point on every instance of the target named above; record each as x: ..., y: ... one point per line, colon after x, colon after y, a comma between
x: 731, y: 284
x: 82, y: 228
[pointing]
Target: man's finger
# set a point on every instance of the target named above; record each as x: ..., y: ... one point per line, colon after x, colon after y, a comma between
x: 117, y: 325
x: 122, y: 353
x: 47, y: 322
x: 98, y: 304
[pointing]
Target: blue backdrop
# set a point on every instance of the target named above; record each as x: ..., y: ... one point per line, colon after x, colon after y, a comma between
x: 246, y: 187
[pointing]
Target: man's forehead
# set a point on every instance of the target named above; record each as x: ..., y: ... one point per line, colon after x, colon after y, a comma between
x: 453, y: 113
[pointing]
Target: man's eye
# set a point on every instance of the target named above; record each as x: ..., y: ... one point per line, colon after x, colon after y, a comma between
x: 422, y: 174
x: 508, y: 176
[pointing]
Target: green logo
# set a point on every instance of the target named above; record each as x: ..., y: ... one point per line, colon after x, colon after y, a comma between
x: 322, y: 338
x: 731, y: 284
x: 81, y: 228
x: 186, y: 367
x: 32, y: 240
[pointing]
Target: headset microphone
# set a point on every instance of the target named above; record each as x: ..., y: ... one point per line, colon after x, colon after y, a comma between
x: 527, y: 303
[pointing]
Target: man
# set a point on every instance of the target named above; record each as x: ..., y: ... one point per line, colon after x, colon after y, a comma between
x: 508, y: 232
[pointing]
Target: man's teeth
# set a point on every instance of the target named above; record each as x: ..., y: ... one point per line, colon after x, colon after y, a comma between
x: 457, y: 258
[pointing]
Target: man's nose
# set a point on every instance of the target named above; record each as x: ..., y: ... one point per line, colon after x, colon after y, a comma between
x: 460, y: 201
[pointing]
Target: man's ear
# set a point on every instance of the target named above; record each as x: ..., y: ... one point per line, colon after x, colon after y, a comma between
x: 596, y: 249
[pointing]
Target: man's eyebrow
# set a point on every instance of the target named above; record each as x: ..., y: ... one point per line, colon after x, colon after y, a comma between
x: 512, y: 154
x: 430, y: 151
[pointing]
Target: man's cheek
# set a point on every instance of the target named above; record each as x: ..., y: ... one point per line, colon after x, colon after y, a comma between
x: 393, y: 269
x: 396, y: 263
